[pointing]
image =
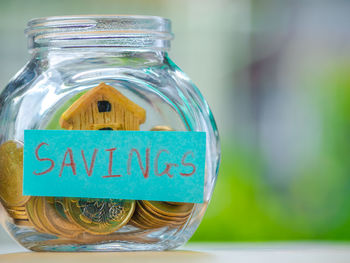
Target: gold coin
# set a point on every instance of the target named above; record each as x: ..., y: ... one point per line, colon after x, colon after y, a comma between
x: 45, y: 222
x: 23, y: 217
x: 48, y: 228
x: 11, y: 174
x: 17, y: 208
x: 163, y: 215
x: 99, y: 216
x: 141, y: 215
x: 137, y: 223
x: 148, y: 218
x: 16, y: 212
x: 159, y: 218
x: 162, y: 128
x: 58, y: 202
x: 171, y: 210
x: 141, y: 208
x: 49, y: 218
x: 146, y: 223
x: 55, y: 222
x: 20, y: 222
x: 31, y: 207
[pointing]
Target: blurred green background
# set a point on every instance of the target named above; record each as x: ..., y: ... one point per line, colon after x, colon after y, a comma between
x: 277, y: 77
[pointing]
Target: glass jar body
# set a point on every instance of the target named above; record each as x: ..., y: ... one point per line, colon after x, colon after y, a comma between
x: 52, y: 80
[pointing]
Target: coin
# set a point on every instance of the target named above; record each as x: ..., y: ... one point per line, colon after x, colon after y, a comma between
x: 45, y: 222
x: 39, y: 209
x: 58, y: 202
x: 163, y: 219
x: 164, y: 208
x: 145, y: 222
x: 135, y: 222
x: 55, y: 222
x: 18, y: 208
x: 152, y: 222
x: 31, y: 210
x: 11, y: 174
x: 17, y: 214
x: 99, y: 216
x: 20, y: 222
x: 148, y: 216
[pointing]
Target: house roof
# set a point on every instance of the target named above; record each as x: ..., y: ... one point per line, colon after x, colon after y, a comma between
x: 108, y: 91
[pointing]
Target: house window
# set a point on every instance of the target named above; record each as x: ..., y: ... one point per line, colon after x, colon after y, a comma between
x: 104, y: 106
x: 106, y: 129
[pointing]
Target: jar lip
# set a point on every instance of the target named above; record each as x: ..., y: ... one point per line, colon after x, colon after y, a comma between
x: 135, y: 31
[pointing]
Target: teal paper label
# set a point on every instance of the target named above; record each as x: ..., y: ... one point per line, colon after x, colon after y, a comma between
x: 135, y: 165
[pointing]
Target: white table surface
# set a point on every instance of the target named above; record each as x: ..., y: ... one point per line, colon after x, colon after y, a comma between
x: 196, y: 252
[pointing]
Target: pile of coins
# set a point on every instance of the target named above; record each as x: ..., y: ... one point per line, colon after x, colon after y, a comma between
x: 11, y: 166
x: 71, y: 217
x: 76, y: 218
x: 19, y: 215
x: 153, y: 214
x: 81, y: 219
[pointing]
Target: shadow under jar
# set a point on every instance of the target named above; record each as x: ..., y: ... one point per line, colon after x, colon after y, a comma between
x: 99, y: 73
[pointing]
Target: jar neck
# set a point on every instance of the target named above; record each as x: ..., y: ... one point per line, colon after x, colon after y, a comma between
x: 117, y: 33
x: 112, y: 56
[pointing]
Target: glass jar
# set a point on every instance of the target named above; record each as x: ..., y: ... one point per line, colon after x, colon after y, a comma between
x: 71, y: 56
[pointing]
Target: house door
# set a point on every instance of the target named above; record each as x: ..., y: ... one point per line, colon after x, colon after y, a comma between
x: 107, y: 126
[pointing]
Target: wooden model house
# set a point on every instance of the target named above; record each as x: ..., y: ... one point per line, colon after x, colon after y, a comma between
x: 103, y: 108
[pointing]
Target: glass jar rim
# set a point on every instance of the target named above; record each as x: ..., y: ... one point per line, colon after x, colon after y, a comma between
x: 83, y: 31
